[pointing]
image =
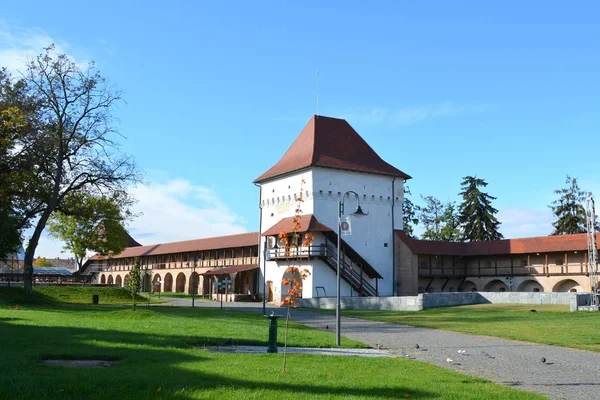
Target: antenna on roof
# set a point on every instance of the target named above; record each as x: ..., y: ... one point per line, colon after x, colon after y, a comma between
x: 317, y: 74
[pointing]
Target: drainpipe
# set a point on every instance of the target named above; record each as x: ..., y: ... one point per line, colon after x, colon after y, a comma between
x: 394, y: 285
x: 259, y: 252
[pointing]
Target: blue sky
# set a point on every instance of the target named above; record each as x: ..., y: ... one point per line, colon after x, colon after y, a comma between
x: 217, y: 91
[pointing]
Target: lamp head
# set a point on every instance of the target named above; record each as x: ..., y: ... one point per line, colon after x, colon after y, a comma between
x: 359, y: 212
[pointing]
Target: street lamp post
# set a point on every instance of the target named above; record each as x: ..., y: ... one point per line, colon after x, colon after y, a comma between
x: 145, y: 281
x: 264, y: 272
x: 217, y: 286
x: 226, y: 282
x: 194, y: 283
x: 338, y: 309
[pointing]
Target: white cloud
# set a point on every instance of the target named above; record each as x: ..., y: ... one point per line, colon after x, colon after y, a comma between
x: 525, y: 222
x: 179, y: 210
x: 169, y: 211
x: 17, y: 45
x: 410, y: 115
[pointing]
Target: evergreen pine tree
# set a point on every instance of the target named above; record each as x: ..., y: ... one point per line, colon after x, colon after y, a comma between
x: 569, y: 209
x: 476, y: 214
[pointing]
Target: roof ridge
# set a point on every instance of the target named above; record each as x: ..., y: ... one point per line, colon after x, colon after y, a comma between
x: 155, y: 245
x: 536, y: 244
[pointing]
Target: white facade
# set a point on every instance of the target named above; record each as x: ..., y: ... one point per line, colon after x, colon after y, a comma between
x: 372, y: 236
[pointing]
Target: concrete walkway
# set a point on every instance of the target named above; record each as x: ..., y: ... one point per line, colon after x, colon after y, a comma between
x: 302, y: 350
x: 567, y: 374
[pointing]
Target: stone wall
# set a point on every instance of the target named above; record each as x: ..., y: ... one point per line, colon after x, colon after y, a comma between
x: 402, y: 303
x: 433, y: 300
x: 407, y: 268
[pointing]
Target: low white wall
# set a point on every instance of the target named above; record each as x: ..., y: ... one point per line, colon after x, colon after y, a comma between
x: 404, y: 303
x: 433, y: 300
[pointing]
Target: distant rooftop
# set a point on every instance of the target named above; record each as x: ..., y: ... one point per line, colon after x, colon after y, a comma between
x: 40, y: 271
x: 531, y: 245
x: 213, y: 243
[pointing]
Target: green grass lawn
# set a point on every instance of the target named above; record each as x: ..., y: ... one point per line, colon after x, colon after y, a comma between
x: 157, y: 358
x: 550, y: 324
x: 70, y: 295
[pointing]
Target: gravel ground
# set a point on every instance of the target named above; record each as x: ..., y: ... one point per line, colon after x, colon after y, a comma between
x: 567, y: 373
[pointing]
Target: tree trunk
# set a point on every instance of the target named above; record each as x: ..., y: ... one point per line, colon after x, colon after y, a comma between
x: 41, y: 224
x: 29, y: 253
x: 79, y: 263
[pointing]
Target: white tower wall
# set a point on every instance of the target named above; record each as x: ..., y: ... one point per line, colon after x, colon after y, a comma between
x: 372, y: 235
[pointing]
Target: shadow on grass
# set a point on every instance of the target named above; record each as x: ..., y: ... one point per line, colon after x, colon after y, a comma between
x: 150, y: 366
x: 7, y: 319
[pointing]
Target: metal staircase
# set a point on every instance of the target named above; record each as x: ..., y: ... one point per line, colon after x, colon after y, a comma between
x: 349, y: 273
x: 353, y: 268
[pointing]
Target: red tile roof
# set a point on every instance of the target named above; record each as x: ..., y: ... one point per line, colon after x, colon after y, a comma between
x: 542, y: 244
x: 308, y: 223
x: 230, y: 270
x: 136, y: 251
x: 131, y: 242
x: 330, y: 143
x: 214, y: 243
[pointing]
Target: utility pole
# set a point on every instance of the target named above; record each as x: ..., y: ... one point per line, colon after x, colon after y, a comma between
x: 590, y: 216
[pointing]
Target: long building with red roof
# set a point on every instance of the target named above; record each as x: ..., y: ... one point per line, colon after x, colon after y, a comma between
x: 328, y: 166
x: 190, y: 266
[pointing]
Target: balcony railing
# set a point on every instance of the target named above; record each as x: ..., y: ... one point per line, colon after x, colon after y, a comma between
x: 299, y: 252
x: 350, y: 272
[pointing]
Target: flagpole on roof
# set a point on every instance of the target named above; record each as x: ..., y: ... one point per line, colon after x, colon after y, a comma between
x: 317, y: 75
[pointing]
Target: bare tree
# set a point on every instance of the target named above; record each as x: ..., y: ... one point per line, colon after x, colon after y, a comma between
x: 73, y: 146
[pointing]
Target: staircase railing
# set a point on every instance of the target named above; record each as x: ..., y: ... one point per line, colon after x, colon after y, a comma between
x: 329, y: 255
x: 349, y: 273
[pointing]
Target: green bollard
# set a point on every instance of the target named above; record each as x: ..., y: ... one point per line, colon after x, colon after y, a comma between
x: 272, y: 348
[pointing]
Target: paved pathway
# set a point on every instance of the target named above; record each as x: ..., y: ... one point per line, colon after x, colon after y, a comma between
x: 302, y: 350
x: 567, y: 374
